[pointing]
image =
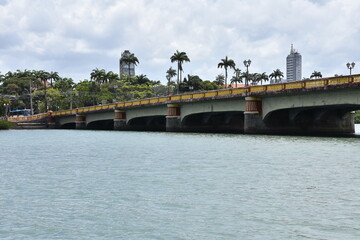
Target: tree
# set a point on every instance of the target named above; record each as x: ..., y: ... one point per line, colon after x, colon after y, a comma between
x: 142, y: 79
x: 64, y: 84
x: 98, y: 75
x: 43, y: 76
x: 263, y: 77
x: 225, y: 63
x: 129, y: 59
x: 111, y: 77
x: 194, y: 83
x: 316, y: 74
x: 254, y: 78
x: 170, y: 73
x: 180, y: 58
x: 237, y: 78
x: 2, y: 77
x: 53, y: 76
x: 276, y: 74
x: 219, y: 80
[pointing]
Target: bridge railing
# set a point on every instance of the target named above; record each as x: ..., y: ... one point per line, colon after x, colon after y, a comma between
x: 29, y: 118
x: 243, y: 91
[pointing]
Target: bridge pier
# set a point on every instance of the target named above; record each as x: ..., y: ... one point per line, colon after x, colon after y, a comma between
x: 80, y: 121
x: 173, y: 119
x: 51, y: 122
x: 253, y: 122
x: 119, y: 120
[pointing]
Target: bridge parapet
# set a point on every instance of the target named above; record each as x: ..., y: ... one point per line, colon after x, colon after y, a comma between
x: 209, y: 101
x: 277, y: 89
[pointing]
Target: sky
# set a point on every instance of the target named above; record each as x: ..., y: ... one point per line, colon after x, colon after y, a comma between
x: 73, y: 37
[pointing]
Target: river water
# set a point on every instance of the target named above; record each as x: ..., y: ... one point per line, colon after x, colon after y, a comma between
x: 68, y: 184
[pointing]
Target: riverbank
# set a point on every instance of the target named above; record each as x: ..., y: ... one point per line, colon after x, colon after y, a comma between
x: 5, y: 125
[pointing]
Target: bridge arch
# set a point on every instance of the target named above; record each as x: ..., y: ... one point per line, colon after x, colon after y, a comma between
x: 148, y: 123
x: 106, y: 124
x: 326, y: 119
x: 232, y: 121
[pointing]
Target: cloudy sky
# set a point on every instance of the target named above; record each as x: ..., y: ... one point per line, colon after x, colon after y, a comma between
x: 73, y: 37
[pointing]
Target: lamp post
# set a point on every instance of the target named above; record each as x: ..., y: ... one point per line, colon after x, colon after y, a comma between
x: 31, y: 101
x: 6, y: 105
x: 247, y: 65
x: 350, y: 66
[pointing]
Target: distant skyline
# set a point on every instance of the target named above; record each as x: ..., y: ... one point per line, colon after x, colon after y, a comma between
x: 75, y: 37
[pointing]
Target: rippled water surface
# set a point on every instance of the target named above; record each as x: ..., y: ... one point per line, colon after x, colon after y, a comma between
x: 67, y: 184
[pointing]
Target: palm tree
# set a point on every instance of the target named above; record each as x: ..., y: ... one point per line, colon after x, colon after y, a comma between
x: 254, y: 78
x: 53, y: 76
x: 263, y: 77
x: 220, y: 79
x: 276, y: 74
x: 316, y: 74
x: 170, y: 73
x: 43, y: 76
x: 9, y: 75
x: 237, y: 78
x: 98, y: 75
x: 111, y: 77
x: 180, y: 58
x: 128, y: 60
x: 142, y: 79
x: 225, y: 63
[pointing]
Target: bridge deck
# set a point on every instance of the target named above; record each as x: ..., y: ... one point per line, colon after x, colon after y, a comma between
x: 272, y: 89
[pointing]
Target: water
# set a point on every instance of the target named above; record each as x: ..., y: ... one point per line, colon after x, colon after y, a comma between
x: 67, y: 184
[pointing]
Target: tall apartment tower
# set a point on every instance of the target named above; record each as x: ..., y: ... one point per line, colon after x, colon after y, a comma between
x: 293, y: 66
x: 124, y: 67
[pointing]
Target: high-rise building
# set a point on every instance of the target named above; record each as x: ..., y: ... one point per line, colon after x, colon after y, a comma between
x: 293, y: 66
x: 126, y: 68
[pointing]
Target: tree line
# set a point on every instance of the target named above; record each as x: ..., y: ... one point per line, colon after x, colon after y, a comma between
x: 50, y: 91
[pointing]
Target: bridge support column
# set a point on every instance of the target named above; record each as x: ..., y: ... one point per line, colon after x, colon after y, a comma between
x: 119, y: 120
x: 50, y: 122
x: 80, y: 121
x: 173, y: 119
x: 253, y: 122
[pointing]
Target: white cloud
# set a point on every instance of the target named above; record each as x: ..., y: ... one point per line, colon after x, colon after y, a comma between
x: 73, y: 37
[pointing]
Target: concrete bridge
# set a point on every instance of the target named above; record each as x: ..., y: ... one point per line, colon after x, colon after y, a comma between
x: 322, y: 106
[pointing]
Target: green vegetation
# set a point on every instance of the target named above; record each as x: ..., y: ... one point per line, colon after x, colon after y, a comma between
x: 357, y: 117
x: 180, y: 58
x: 226, y: 63
x: 316, y: 74
x: 277, y: 74
x: 51, y: 92
x: 4, y: 125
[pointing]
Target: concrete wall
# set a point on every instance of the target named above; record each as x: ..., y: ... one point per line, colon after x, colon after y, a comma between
x: 146, y: 112
x: 228, y: 105
x: 60, y: 121
x: 314, y: 99
x: 92, y: 117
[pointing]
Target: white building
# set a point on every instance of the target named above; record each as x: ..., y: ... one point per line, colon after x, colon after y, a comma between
x: 293, y: 66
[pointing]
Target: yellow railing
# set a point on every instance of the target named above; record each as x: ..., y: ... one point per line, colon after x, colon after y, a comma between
x: 29, y: 118
x: 199, y: 95
x: 294, y: 85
